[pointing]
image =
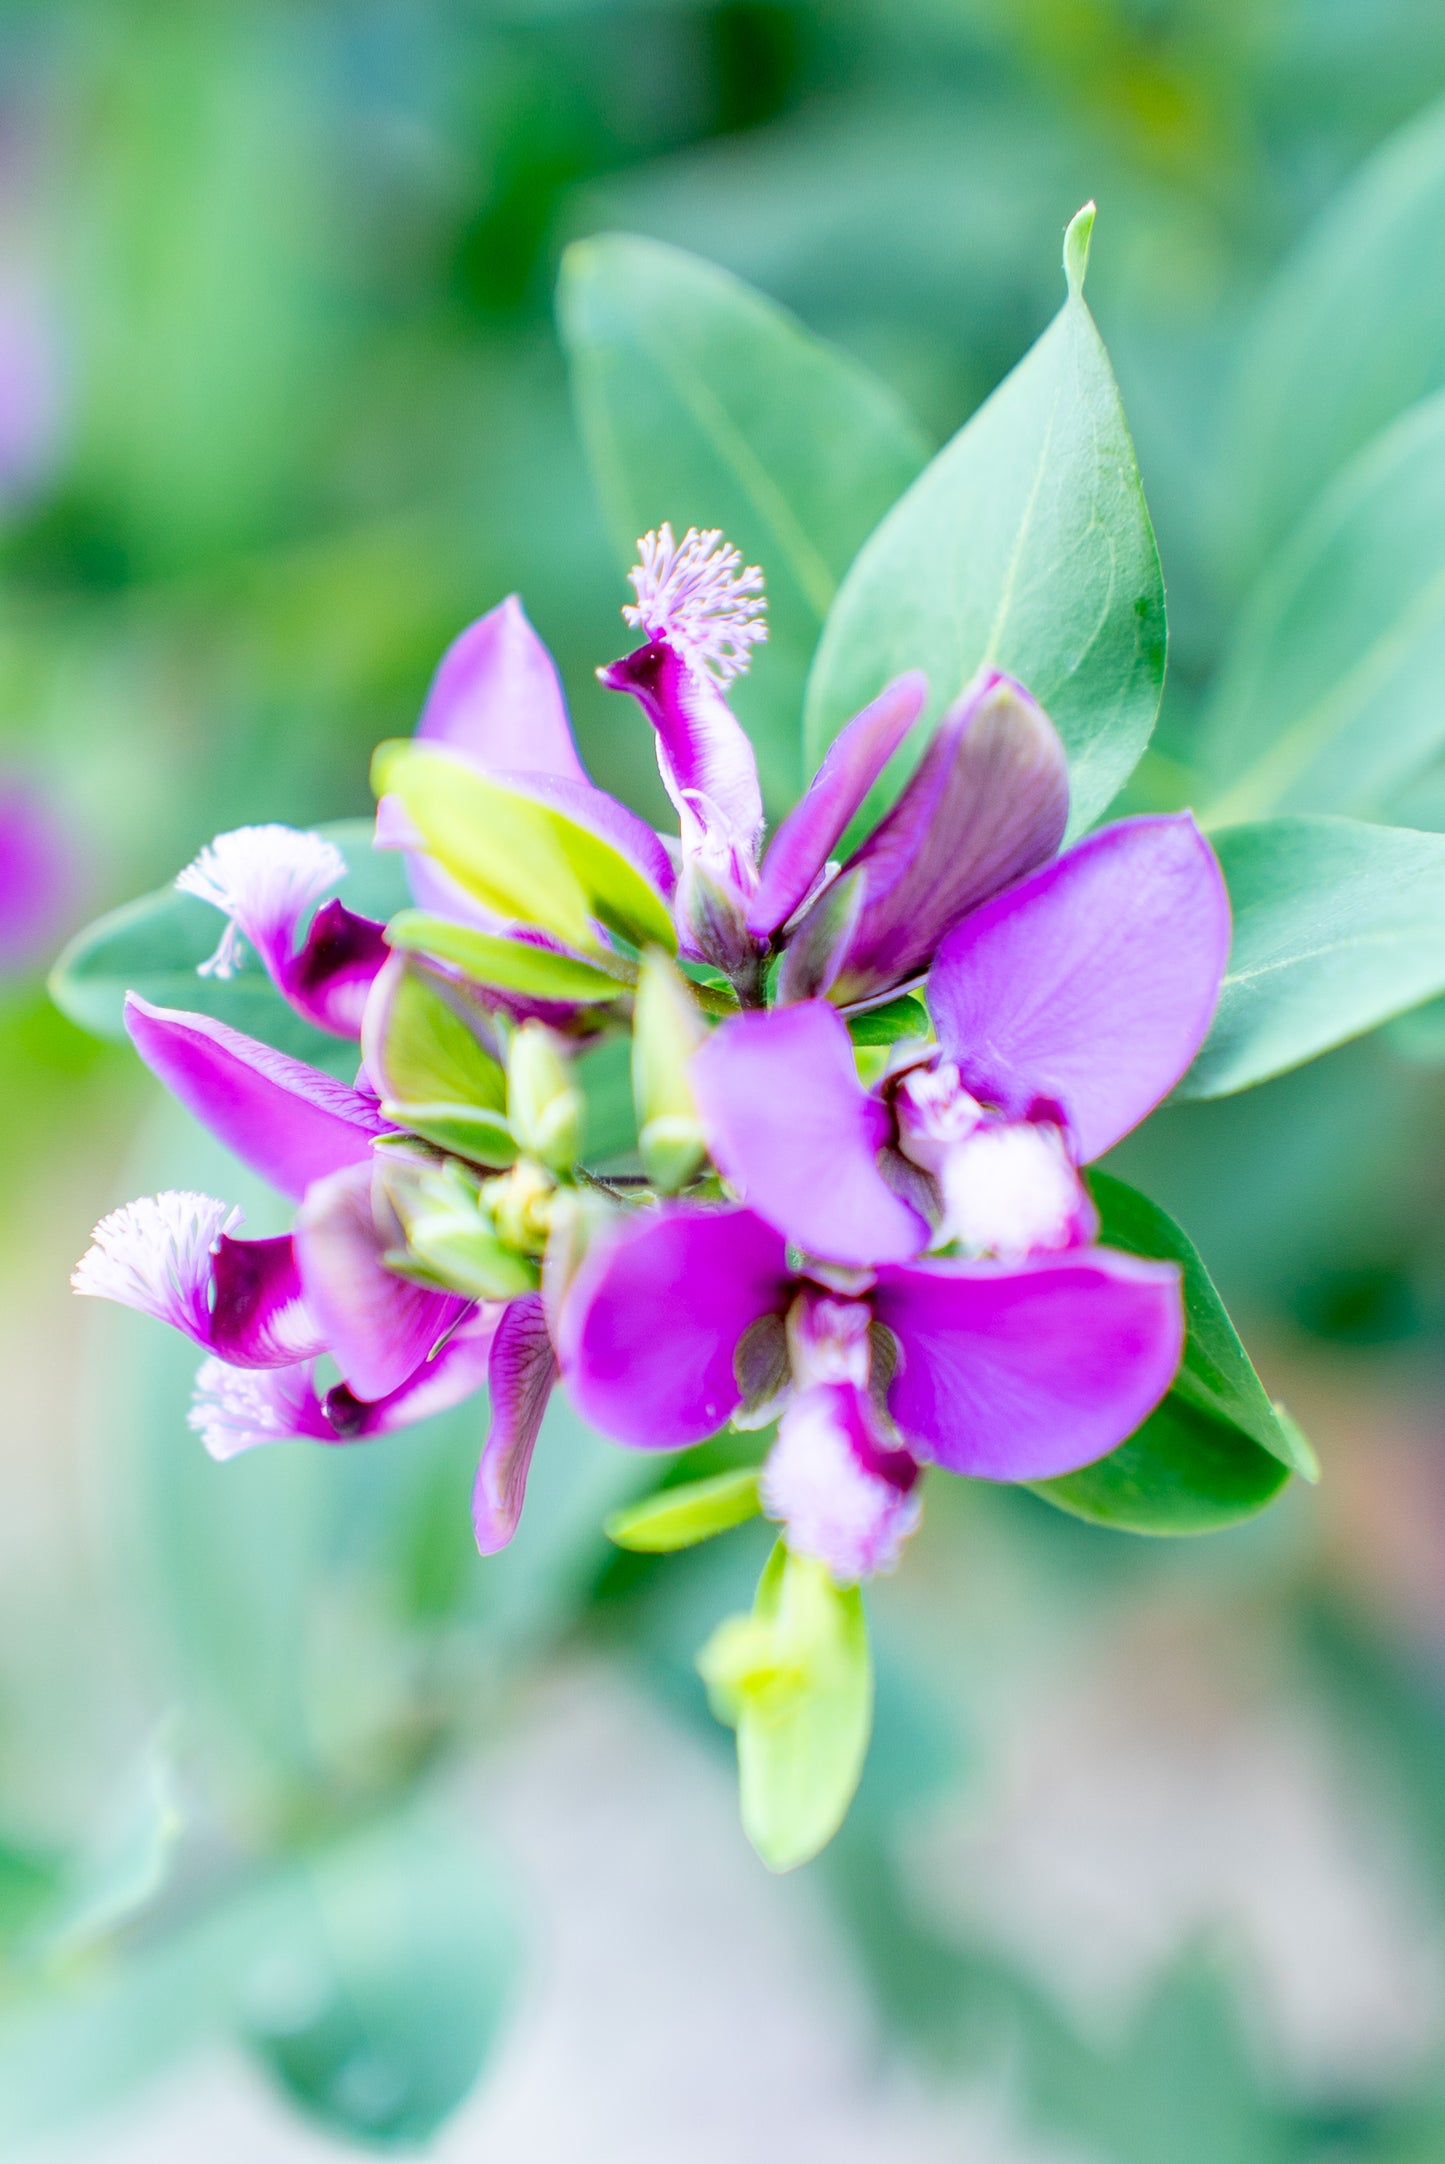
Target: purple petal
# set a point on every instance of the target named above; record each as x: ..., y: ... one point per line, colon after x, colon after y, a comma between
x: 707, y: 763
x: 1019, y: 1373
x: 259, y: 1317
x: 497, y: 701
x: 521, y: 1377
x: 650, y: 1325
x: 793, y: 1130
x: 328, y: 981
x: 842, y: 1499
x: 988, y: 802
x: 378, y: 1327
x: 445, y: 1379
x: 854, y: 760
x: 1093, y: 983
x: 40, y: 875
x: 281, y: 1117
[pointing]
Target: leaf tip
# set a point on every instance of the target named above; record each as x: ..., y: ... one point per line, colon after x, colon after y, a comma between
x: 1302, y: 1459
x: 1077, y: 236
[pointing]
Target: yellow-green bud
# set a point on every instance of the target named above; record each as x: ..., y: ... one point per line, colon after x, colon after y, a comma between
x: 667, y: 1028
x: 544, y: 1105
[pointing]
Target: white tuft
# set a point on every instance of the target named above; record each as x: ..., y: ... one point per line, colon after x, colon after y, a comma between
x: 155, y: 1255
x: 264, y: 879
x: 832, y: 1507
x: 1011, y: 1190
x: 235, y: 1409
x: 696, y: 595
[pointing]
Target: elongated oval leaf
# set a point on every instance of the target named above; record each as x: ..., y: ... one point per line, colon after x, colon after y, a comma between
x: 154, y: 946
x: 1350, y: 333
x: 510, y: 965
x: 703, y: 403
x: 1216, y: 1450
x: 681, y: 1517
x: 1329, y: 698
x: 1337, y: 926
x: 482, y: 1137
x: 1025, y: 546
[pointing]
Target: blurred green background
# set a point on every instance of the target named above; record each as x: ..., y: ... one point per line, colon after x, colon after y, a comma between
x: 307, y: 1815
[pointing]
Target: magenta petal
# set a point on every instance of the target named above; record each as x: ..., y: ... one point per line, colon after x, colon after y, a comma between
x: 285, y: 1120
x: 445, y: 1379
x: 793, y: 1130
x: 497, y: 701
x: 856, y: 757
x: 1022, y: 1373
x: 1093, y: 983
x: 707, y: 764
x: 259, y: 1317
x: 651, y: 1322
x: 378, y: 1327
x: 521, y: 1376
x: 987, y: 803
x: 339, y: 959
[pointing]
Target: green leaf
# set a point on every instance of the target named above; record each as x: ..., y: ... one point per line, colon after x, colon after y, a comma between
x: 1337, y: 926
x: 510, y: 965
x: 519, y: 857
x: 681, y: 1517
x: 380, y: 1998
x: 153, y: 946
x: 1350, y: 333
x: 131, y: 1859
x: 603, y: 1072
x: 795, y: 1679
x: 703, y: 403
x: 472, y: 1132
x: 1216, y: 1450
x: 422, y: 1046
x: 906, y: 1017
x: 1025, y: 546
x: 1328, y: 699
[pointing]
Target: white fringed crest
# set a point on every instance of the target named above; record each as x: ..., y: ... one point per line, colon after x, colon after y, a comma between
x: 697, y: 596
x: 264, y: 879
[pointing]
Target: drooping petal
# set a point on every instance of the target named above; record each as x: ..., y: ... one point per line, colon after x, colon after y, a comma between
x: 259, y: 1317
x: 496, y: 699
x: 792, y: 1129
x: 799, y: 851
x: 235, y: 1409
x: 378, y: 1327
x: 649, y: 1327
x: 1019, y: 1373
x: 840, y: 1498
x: 707, y: 764
x: 1093, y: 983
x: 521, y: 1376
x: 340, y: 959
x: 445, y: 1378
x: 286, y: 1120
x: 987, y: 803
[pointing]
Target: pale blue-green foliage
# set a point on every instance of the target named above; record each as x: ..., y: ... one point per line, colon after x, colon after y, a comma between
x: 704, y: 404
x: 1024, y: 546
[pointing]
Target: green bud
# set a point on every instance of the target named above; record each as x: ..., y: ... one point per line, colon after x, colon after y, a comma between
x: 544, y: 1105
x: 451, y: 1239
x: 795, y: 1679
x: 520, y: 1204
x: 667, y: 1028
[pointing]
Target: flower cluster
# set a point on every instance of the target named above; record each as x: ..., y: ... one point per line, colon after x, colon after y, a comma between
x: 866, y: 1080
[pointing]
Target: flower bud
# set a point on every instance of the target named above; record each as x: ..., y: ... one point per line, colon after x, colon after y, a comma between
x: 544, y: 1105
x: 667, y: 1028
x: 451, y: 1240
x: 712, y: 916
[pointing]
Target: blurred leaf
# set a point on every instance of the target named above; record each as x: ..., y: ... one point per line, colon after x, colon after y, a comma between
x: 704, y: 404
x: 906, y: 1017
x: 378, y: 2005
x: 130, y: 1861
x: 153, y: 946
x: 1216, y: 1450
x: 1025, y: 546
x: 681, y: 1517
x: 1350, y: 333
x: 1328, y: 698
x: 604, y: 1073
x: 1337, y: 926
x: 795, y: 1679
x: 510, y: 965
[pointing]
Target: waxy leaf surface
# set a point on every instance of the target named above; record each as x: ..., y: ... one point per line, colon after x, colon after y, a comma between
x: 1024, y: 546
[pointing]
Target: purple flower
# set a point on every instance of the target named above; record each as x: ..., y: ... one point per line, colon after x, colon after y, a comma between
x: 264, y: 879
x: 39, y: 876
x: 1065, y: 1007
